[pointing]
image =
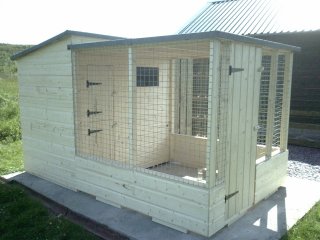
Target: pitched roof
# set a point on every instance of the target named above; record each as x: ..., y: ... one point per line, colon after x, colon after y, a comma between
x: 256, y: 17
x: 59, y: 37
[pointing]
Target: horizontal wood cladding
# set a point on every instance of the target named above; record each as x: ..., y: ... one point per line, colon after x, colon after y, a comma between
x: 53, y: 92
x: 145, y: 207
x: 46, y: 80
x: 178, y: 204
x: 57, y: 149
x: 270, y: 174
x: 47, y: 103
x: 35, y: 164
x: 60, y: 69
x: 48, y: 136
x: 48, y: 114
x: 188, y: 192
x: 60, y: 129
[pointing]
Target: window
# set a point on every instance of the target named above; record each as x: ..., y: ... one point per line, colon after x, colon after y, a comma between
x: 147, y: 76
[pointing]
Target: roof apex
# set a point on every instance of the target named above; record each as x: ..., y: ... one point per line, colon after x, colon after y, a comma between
x: 58, y: 37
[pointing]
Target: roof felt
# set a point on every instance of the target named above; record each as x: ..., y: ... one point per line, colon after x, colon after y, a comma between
x: 248, y: 17
x: 190, y: 36
x: 59, y: 37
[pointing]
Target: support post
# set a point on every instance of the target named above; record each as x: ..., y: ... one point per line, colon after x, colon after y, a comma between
x: 130, y: 107
x: 214, y: 73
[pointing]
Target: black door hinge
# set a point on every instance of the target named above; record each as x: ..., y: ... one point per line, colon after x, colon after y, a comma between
x: 92, y: 83
x: 92, y: 112
x: 90, y: 131
x: 233, y: 70
x: 227, y: 197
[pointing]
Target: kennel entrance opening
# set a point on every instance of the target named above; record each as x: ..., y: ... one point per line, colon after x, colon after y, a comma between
x: 155, y: 111
x: 97, y: 112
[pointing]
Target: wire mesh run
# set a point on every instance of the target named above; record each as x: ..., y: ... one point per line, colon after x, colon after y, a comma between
x: 145, y: 107
x: 279, y: 101
x: 221, y: 147
x: 263, y: 105
x: 267, y: 97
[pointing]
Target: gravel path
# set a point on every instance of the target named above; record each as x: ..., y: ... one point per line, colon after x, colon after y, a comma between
x: 304, y: 162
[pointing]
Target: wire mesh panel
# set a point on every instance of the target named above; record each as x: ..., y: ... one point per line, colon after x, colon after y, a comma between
x: 263, y: 105
x: 279, y: 101
x: 222, y: 124
x: 100, y: 105
x: 271, y: 105
x: 145, y: 107
x: 200, y: 97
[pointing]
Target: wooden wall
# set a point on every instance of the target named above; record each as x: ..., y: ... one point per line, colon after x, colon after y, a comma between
x: 46, y: 105
x: 270, y: 175
x: 181, y: 206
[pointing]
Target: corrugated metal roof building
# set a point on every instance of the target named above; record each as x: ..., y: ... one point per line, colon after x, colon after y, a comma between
x: 256, y: 17
x: 290, y: 22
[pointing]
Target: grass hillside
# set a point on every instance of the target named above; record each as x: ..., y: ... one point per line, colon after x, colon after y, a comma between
x: 8, y: 68
x: 10, y: 131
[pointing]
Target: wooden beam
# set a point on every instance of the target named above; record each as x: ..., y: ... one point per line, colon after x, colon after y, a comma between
x: 130, y: 106
x: 214, y: 73
x: 183, y: 95
x: 189, y: 80
x: 176, y: 95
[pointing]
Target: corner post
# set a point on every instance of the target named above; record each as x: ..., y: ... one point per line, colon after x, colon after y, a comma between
x: 214, y: 74
x: 286, y: 103
x: 130, y: 108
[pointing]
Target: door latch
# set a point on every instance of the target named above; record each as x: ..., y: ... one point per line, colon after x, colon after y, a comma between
x: 257, y: 128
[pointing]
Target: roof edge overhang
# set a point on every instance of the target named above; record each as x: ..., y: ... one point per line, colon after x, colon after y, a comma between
x: 58, y: 37
x: 284, y: 33
x: 189, y: 36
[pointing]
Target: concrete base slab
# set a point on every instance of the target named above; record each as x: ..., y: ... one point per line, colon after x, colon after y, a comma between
x: 269, y: 219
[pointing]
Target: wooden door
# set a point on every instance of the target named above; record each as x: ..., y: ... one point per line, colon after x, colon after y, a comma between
x: 100, y: 114
x: 243, y: 103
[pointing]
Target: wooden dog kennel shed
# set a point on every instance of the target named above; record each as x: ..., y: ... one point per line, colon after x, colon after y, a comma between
x: 190, y: 130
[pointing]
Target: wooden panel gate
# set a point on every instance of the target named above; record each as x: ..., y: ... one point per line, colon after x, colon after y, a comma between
x: 244, y: 82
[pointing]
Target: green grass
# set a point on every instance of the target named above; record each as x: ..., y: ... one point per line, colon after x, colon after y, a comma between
x: 307, y: 227
x: 9, y: 112
x: 10, y: 131
x: 8, y: 67
x: 22, y: 217
x: 11, y: 159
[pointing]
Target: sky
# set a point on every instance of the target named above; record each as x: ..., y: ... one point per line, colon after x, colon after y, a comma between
x: 34, y: 21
